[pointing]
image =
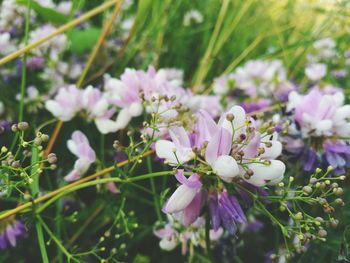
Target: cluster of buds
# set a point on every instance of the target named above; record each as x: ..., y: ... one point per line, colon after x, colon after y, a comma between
x: 321, y: 191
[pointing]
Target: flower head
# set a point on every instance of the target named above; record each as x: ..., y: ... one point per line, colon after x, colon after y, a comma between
x: 80, y: 147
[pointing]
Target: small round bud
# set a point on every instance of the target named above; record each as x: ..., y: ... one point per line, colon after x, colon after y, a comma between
x: 15, y: 164
x: 52, y: 158
x: 3, y: 149
x: 298, y: 216
x: 334, y: 185
x: 268, y: 144
x: 14, y: 128
x: 313, y: 180
x: 22, y: 126
x: 242, y: 136
x: 45, y: 137
x: 339, y: 191
x: 307, y: 190
x: 38, y: 141
x: 270, y: 130
x: 319, y: 219
x: 322, y: 201
x: 339, y: 202
x: 318, y: 170
x: 230, y: 117
x: 322, y: 233
x: 334, y: 223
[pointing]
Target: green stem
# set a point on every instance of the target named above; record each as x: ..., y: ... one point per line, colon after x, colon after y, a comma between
x: 153, y: 187
x: 54, y: 238
x: 35, y: 191
x: 24, y: 64
x: 41, y: 240
x: 102, y: 181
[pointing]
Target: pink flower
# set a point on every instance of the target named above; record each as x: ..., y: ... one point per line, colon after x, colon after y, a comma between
x: 186, y: 199
x: 176, y: 151
x: 217, y: 155
x: 80, y: 147
x: 316, y: 71
x: 66, y: 104
x: 320, y: 114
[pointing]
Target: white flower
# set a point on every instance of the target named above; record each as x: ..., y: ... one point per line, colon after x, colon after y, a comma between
x: 80, y: 147
x: 193, y: 16
x: 316, y: 71
x: 176, y: 151
x: 168, y: 243
x: 226, y: 167
x: 2, y: 108
x: 7, y: 46
x: 66, y: 104
x: 266, y: 174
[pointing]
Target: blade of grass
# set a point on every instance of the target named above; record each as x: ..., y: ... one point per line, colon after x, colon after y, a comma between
x: 202, y: 65
x: 60, y: 30
x: 107, y: 27
x: 35, y: 192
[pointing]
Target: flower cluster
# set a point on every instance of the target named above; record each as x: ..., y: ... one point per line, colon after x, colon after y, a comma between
x: 112, y: 109
x: 234, y: 150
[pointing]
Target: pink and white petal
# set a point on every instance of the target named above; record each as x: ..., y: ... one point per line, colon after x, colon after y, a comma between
x: 180, y: 199
x: 106, y: 125
x: 165, y: 150
x: 72, y: 176
x: 226, y: 167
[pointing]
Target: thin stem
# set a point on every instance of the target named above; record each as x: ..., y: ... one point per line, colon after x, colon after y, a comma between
x: 41, y: 240
x: 100, y: 41
x: 54, y: 238
x: 24, y: 63
x: 107, y: 27
x: 60, y: 30
x: 102, y: 181
x: 153, y: 187
x: 35, y: 192
x: 202, y: 67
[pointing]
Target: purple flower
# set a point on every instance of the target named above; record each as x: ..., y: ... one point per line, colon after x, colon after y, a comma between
x: 80, y: 147
x: 226, y: 210
x: 337, y: 154
x: 35, y: 63
x: 10, y: 232
x: 310, y: 161
x: 255, y: 105
x: 186, y: 201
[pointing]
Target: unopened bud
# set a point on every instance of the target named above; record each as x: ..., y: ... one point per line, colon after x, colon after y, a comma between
x: 23, y: 125
x: 230, y: 117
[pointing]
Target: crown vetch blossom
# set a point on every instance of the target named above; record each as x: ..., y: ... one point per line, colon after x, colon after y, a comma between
x: 66, y: 104
x: 225, y: 209
x: 80, y: 147
x: 320, y: 114
x: 184, y: 194
x: 10, y: 231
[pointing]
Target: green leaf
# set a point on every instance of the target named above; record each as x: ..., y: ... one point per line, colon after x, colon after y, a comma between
x: 141, y: 259
x: 83, y: 39
x: 48, y: 14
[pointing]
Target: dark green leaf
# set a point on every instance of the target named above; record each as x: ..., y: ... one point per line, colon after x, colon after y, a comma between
x: 48, y: 14
x: 83, y: 39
